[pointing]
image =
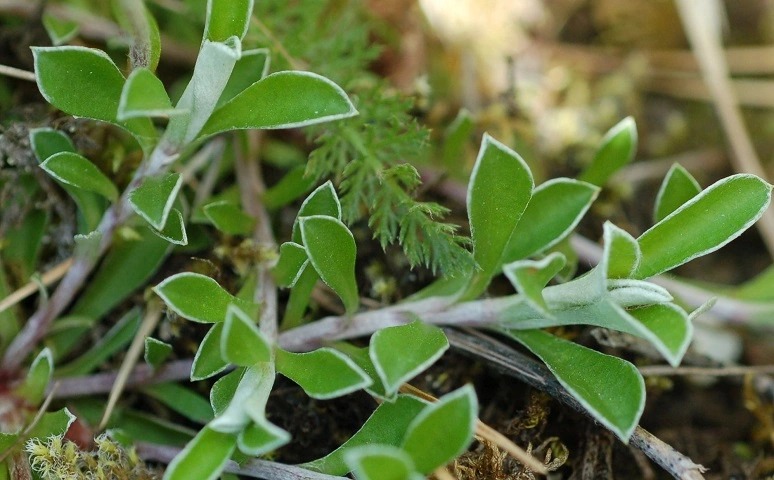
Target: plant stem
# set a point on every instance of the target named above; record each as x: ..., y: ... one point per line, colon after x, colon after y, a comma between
x: 37, y: 326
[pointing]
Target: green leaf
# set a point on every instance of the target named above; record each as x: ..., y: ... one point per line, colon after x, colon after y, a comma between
x: 248, y: 402
x: 290, y: 264
x: 129, y: 264
x: 282, y: 100
x: 33, y: 388
x: 98, y: 81
x: 259, y: 438
x: 387, y: 425
x: 555, y: 209
x: 324, y: 373
x: 153, y: 199
x: 227, y: 18
x: 443, y: 430
x: 59, y: 31
x: 669, y: 323
x: 241, y: 342
x: 156, y: 352
x: 144, y: 95
x: 181, y: 400
x: 46, y: 142
x: 322, y: 201
x: 87, y: 246
x: 530, y: 277
x: 252, y: 66
x: 99, y: 85
x: 332, y: 251
x: 299, y: 297
x: 204, y: 457
x: 678, y: 187
x: 78, y: 171
x: 174, y: 229
x: 229, y: 219
x: 213, y: 68
x: 617, y: 149
x: 198, y: 298
x: 705, y: 223
x: 208, y: 360
x: 290, y: 187
x: 362, y: 359
x: 223, y: 390
x: 609, y: 388
x: 381, y: 462
x: 621, y: 253
x: 114, y: 340
x: 400, y: 353
x: 52, y: 423
x: 498, y: 192
x: 456, y: 138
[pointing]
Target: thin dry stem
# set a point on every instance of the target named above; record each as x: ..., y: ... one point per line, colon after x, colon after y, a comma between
x: 28, y: 289
x: 149, y: 322
x: 14, y: 72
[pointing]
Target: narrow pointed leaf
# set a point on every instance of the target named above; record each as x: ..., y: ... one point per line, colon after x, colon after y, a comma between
x: 443, y: 430
x: 153, y: 199
x: 208, y: 361
x: 617, y: 149
x: 332, y: 251
x: 290, y: 264
x: 252, y: 66
x: 79, y: 171
x: 227, y: 18
x: 323, y: 373
x: 34, y: 386
x: 530, y: 277
x: 203, y: 457
x: 174, y: 229
x: 46, y: 142
x: 555, y: 209
x: 705, y: 223
x: 156, y: 352
x: 387, y: 425
x: 229, y: 219
x: 181, y: 400
x: 678, y: 187
x: 291, y: 187
x: 498, y: 192
x: 611, y: 389
x: 621, y: 253
x: 259, y: 438
x: 322, y: 201
x: 242, y: 343
x: 381, y: 462
x: 299, y: 297
x: 400, y: 353
x: 282, y: 100
x: 59, y: 31
x: 144, y: 95
x: 198, y: 298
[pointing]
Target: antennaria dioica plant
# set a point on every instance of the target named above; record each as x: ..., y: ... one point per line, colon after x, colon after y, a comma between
x: 128, y: 229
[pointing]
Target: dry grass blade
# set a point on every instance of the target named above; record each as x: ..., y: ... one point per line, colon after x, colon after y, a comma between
x: 484, y: 431
x: 146, y: 327
x: 701, y: 20
x: 28, y: 289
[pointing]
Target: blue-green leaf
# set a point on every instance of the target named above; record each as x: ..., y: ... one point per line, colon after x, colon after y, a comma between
x: 499, y: 190
x: 400, y: 353
x: 79, y: 171
x: 617, y: 149
x: 324, y: 373
x: 705, y: 223
x: 443, y: 430
x: 282, y: 100
x: 678, y: 187
x: 332, y: 251
x: 153, y: 199
x: 529, y: 278
x: 609, y: 388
